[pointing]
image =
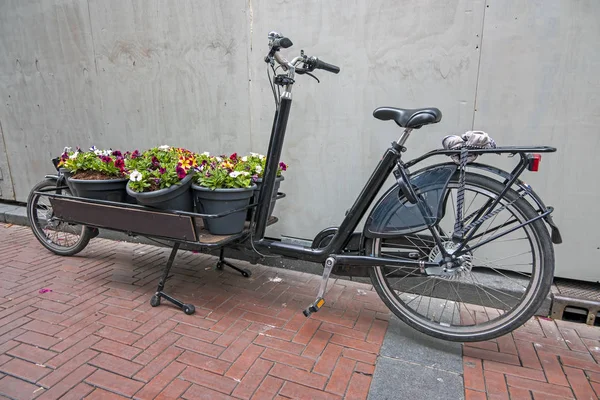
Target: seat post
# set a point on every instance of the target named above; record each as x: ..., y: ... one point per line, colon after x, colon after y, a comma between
x: 404, y: 136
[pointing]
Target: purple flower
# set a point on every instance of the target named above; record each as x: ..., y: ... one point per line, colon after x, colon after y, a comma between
x: 119, y: 163
x: 180, y: 172
x: 105, y: 159
x: 162, y: 170
x: 283, y: 166
x: 155, y: 162
x: 135, y: 154
x: 254, y: 178
x: 157, y: 181
x: 117, y: 153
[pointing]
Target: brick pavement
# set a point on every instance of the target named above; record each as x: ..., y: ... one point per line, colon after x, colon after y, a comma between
x: 94, y: 335
x: 543, y: 359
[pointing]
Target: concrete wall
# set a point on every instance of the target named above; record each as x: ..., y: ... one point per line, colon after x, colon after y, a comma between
x: 133, y: 74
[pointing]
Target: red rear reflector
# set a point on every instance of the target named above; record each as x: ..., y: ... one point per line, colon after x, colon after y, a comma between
x: 534, y: 162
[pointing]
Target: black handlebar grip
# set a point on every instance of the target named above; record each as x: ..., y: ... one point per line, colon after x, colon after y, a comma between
x: 285, y: 43
x: 327, y: 67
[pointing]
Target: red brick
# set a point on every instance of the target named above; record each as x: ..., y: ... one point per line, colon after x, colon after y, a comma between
x: 77, y: 348
x: 487, y: 345
x: 196, y: 392
x: 356, y: 344
x: 116, y: 349
x: 53, y: 306
x: 73, y: 340
x: 359, y: 355
x: 115, y: 364
x: 156, y: 348
x: 238, y: 346
x: 31, y: 353
x: 160, y: 381
x: 307, y: 331
x: 118, y: 322
x: 174, y: 390
x: 268, y: 388
x: 328, y: 359
x: 474, y: 395
x: 263, y: 319
x: 491, y: 355
x: 577, y: 363
x: 114, y: 383
x: 252, y: 379
x: 43, y: 327
x: 527, y: 354
x: 327, y: 315
x: 296, y: 322
x: 553, y: 369
x: 17, y: 389
x: 473, y: 374
x: 101, y: 394
x: 232, y: 333
x: 377, y: 332
x: 118, y: 335
x: 596, y: 387
x: 204, y: 362
x: 67, y: 368
x: 358, y: 387
x: 196, y: 333
x: 539, y: 387
x: 279, y: 344
x: 365, y: 369
x: 199, y: 346
x: 155, y: 334
x: 564, y: 352
x: 295, y: 375
x: 7, y: 326
x: 519, y: 393
x: 6, y: 346
x: 573, y: 340
x: 527, y: 373
x: 272, y: 332
x: 208, y: 379
x: 316, y: 345
x: 88, y: 323
x: 295, y: 391
x: 128, y: 304
x: 495, y: 384
x: 159, y: 323
x: 520, y: 335
x: 158, y: 364
x: 24, y: 370
x: 68, y: 383
x: 37, y: 339
x: 226, y: 324
x: 78, y: 392
x: 341, y: 376
x: 288, y: 359
x: 579, y: 384
x: 83, y: 314
x: 48, y: 316
x: 244, y: 362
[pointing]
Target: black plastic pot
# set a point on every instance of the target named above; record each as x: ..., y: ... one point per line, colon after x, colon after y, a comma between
x: 109, y: 189
x: 219, y: 201
x: 176, y: 197
x: 256, y: 194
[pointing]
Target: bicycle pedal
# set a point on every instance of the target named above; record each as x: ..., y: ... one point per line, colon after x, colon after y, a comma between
x: 314, y: 307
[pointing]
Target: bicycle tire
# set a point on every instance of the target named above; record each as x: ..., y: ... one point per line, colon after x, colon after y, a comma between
x: 535, y: 293
x: 80, y: 238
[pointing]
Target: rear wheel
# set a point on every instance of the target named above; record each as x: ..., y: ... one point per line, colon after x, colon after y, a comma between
x: 498, y: 286
x: 59, y: 237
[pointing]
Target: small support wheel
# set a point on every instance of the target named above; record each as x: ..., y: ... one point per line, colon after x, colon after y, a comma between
x: 155, y: 301
x: 189, y: 309
x: 246, y: 273
x: 219, y: 266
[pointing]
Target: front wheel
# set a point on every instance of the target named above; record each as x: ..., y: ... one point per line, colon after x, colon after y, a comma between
x: 59, y: 237
x: 499, y: 286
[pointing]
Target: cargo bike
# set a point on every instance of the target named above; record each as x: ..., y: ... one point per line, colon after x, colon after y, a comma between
x: 459, y: 250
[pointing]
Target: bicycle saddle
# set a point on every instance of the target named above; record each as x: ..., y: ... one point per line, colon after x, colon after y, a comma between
x: 406, y: 118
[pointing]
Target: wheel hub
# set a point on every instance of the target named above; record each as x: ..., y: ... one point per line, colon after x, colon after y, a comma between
x: 452, y: 266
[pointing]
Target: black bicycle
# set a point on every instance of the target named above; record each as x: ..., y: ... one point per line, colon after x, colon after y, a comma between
x: 458, y: 250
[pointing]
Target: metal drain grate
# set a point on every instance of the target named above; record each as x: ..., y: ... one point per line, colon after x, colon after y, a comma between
x: 576, y: 301
x: 578, y: 289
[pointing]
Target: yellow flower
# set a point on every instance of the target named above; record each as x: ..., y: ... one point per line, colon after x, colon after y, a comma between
x: 227, y: 164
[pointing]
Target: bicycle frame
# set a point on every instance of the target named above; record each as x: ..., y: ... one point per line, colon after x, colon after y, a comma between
x: 342, y: 236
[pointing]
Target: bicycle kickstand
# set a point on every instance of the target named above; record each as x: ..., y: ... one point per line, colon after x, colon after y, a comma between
x: 320, y: 301
x: 246, y: 273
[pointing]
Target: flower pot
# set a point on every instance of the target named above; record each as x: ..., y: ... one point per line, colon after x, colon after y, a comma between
x: 177, y: 197
x: 109, y: 189
x: 219, y: 201
x: 257, y: 192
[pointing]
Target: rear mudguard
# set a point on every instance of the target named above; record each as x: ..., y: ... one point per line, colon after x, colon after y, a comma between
x: 383, y: 221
